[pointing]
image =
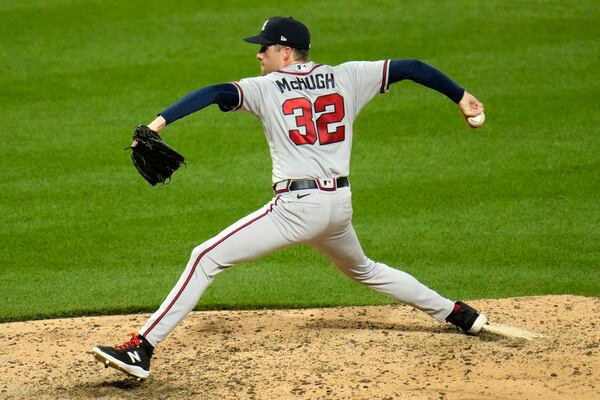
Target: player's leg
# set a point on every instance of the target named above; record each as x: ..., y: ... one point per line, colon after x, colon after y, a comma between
x: 256, y: 235
x: 340, y: 243
x: 251, y: 237
x: 282, y: 222
x: 344, y: 250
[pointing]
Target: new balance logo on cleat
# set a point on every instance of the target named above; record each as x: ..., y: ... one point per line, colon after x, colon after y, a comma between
x: 132, y: 357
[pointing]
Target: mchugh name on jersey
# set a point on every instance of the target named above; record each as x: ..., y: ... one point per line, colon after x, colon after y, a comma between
x: 311, y: 82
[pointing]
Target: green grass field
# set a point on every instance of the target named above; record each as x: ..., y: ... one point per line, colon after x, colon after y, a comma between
x: 512, y: 209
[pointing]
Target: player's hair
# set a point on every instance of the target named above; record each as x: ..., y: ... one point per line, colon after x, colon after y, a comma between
x: 300, y: 54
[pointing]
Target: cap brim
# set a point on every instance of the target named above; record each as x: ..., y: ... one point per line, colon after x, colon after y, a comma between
x: 258, y: 40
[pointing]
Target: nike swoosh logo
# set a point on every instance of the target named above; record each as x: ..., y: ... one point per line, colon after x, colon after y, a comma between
x: 299, y: 196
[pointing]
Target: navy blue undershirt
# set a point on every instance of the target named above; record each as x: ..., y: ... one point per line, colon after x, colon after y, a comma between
x: 226, y: 94
x: 223, y: 94
x: 419, y: 72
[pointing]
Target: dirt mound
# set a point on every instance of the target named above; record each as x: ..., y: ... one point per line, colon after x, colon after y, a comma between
x: 388, y: 352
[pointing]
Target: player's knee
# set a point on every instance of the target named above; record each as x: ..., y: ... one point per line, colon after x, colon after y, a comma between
x: 363, y: 272
x: 198, y: 251
x: 202, y: 260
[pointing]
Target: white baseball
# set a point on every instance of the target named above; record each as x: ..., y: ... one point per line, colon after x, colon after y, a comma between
x: 477, y: 120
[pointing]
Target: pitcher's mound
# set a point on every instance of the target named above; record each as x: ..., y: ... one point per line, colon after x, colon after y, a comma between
x: 383, y: 352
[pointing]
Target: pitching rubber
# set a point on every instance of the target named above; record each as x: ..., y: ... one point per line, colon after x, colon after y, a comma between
x: 110, y: 361
x: 510, y: 331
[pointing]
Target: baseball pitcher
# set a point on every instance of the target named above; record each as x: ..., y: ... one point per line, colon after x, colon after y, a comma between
x: 307, y: 111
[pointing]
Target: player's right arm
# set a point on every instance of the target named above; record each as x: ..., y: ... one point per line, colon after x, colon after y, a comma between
x: 426, y: 75
x: 225, y: 95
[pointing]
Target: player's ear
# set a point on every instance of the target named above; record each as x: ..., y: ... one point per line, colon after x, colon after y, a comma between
x: 288, y: 53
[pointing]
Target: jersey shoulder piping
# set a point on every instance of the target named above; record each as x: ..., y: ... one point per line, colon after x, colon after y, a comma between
x: 241, y: 96
x: 385, y: 84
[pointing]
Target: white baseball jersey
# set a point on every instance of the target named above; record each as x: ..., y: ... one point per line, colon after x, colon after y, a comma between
x: 307, y: 111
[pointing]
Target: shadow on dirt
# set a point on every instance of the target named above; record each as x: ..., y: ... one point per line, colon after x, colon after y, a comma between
x: 125, y: 388
x: 338, y: 323
x: 350, y: 324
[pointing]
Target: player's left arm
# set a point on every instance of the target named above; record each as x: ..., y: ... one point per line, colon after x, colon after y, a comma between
x: 426, y: 75
x: 225, y: 95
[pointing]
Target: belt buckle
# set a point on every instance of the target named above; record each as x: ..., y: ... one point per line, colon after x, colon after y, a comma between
x: 327, y: 185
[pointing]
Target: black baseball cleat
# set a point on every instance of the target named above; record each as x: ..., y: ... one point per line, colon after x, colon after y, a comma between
x: 132, y: 357
x: 466, y: 318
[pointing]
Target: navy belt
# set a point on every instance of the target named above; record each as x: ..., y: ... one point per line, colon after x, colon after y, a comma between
x: 303, y: 184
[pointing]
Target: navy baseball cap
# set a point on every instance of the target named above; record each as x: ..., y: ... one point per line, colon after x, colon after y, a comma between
x: 285, y: 31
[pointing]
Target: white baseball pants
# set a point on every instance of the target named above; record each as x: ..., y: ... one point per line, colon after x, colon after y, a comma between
x: 322, y: 219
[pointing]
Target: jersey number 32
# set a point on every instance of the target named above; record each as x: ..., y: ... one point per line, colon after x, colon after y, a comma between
x: 320, y: 127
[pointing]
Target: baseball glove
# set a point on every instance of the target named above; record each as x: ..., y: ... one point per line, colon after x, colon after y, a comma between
x: 152, y: 157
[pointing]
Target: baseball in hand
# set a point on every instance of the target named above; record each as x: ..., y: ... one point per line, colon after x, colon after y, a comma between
x: 476, y: 121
